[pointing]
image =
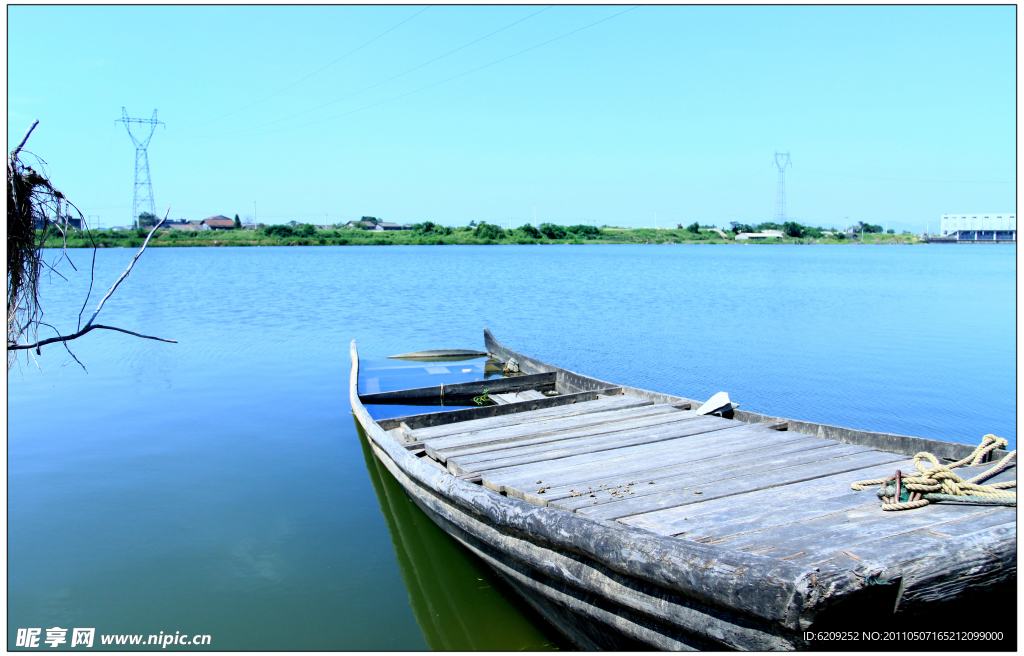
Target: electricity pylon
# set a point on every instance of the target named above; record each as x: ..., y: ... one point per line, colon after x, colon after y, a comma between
x: 142, y: 199
x: 781, y: 162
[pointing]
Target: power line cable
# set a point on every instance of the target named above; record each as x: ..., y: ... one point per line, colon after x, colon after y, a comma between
x: 429, y: 86
x: 372, y: 86
x: 351, y: 52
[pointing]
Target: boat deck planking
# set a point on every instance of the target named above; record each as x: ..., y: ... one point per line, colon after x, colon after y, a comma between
x: 718, y: 481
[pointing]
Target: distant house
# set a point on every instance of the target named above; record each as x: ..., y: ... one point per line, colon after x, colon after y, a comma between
x: 184, y: 226
x: 382, y: 226
x: 217, y: 223
x: 359, y: 225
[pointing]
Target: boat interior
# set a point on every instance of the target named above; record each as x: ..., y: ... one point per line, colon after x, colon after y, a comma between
x: 670, y: 466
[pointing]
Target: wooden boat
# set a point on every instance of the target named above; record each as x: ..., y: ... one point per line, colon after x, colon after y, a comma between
x: 629, y: 521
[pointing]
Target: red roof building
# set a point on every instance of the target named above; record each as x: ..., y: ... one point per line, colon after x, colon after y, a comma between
x: 217, y: 223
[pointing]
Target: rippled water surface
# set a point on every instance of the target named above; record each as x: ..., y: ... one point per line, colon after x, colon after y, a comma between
x: 219, y: 485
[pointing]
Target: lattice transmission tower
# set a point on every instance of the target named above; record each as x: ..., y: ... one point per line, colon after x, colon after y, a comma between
x: 781, y: 162
x: 142, y: 198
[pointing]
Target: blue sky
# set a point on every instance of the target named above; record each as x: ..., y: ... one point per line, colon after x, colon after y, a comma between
x: 892, y: 114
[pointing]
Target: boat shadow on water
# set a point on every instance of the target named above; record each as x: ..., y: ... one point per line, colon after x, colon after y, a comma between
x: 459, y: 603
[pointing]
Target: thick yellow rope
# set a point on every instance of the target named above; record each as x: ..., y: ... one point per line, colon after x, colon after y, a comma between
x: 940, y: 479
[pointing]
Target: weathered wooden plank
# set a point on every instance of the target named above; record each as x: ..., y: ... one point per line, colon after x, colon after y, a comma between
x: 699, y: 492
x: 645, y: 477
x: 791, y: 507
x: 489, y: 445
x: 938, y: 572
x: 583, y: 443
x: 888, y: 548
x: 513, y: 384
x: 672, y: 521
x: 502, y: 399
x: 443, y: 418
x: 483, y: 438
x: 539, y: 433
x: 752, y: 466
x: 711, y: 531
x: 623, y: 433
x: 530, y: 395
x: 846, y: 529
x: 631, y: 459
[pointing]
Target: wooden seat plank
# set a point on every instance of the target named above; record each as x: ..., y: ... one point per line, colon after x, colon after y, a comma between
x: 584, y: 441
x: 515, y: 384
x: 649, y: 476
x: 580, y: 408
x: 688, y: 494
x: 540, y: 431
x: 705, y: 476
x: 528, y: 395
x: 631, y: 459
x: 502, y: 399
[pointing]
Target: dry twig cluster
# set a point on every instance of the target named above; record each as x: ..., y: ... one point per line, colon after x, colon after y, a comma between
x: 32, y: 200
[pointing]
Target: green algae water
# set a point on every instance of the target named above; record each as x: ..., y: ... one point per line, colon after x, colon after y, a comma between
x: 220, y: 487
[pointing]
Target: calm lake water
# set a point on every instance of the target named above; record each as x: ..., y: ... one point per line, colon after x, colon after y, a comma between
x: 220, y: 486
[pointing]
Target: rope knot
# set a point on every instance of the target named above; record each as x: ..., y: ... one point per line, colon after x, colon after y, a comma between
x: 940, y: 483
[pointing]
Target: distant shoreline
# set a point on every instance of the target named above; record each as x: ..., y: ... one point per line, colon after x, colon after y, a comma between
x: 244, y: 238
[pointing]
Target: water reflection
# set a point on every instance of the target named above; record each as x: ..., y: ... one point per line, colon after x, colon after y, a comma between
x: 459, y: 603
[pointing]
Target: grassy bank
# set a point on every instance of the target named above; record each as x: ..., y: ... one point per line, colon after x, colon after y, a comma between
x: 443, y: 236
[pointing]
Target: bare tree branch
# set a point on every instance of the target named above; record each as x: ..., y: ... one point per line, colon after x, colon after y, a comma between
x: 21, y: 144
x: 128, y: 270
x: 53, y: 340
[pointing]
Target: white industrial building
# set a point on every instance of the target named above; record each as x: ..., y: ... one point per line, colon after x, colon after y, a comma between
x: 980, y: 227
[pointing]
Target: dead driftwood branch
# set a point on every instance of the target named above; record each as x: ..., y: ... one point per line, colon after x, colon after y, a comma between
x: 32, y: 199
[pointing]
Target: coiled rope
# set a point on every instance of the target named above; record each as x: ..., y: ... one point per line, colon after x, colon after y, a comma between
x: 940, y: 483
